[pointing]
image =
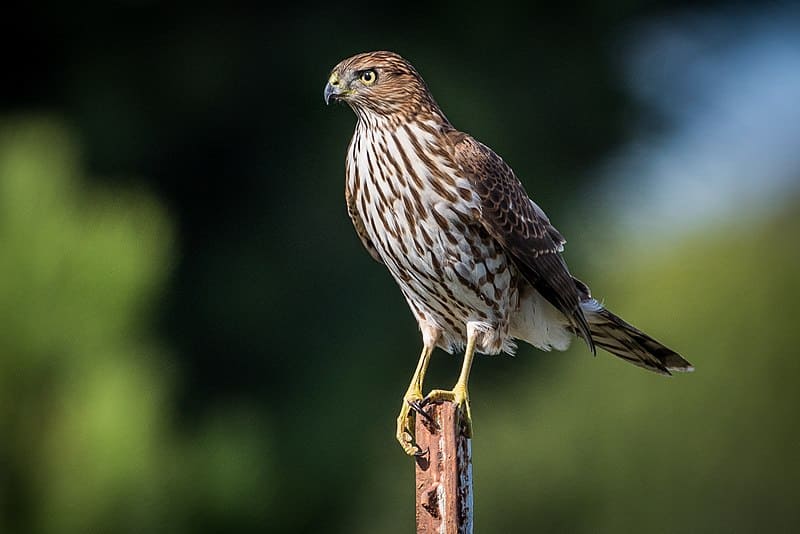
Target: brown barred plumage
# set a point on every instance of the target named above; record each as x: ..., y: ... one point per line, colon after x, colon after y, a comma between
x: 477, y: 260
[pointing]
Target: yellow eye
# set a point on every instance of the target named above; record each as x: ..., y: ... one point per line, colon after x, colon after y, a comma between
x: 368, y: 77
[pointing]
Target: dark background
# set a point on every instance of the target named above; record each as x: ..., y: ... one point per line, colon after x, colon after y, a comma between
x: 195, y: 340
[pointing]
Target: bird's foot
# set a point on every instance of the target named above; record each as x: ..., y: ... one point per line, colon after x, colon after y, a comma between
x: 413, y: 403
x: 458, y: 395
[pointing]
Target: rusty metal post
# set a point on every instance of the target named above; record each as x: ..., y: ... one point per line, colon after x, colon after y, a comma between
x: 444, y: 475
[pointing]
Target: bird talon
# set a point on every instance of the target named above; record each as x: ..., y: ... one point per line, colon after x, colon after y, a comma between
x: 438, y: 395
x: 406, y: 424
x: 419, y: 407
x: 420, y: 453
x: 410, y: 449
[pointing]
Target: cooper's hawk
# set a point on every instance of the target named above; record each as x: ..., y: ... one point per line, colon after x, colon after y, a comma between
x: 477, y: 260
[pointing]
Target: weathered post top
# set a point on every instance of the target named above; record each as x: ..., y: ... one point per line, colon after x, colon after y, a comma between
x: 444, y: 501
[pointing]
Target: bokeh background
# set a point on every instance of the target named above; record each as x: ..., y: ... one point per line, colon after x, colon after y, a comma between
x: 193, y: 340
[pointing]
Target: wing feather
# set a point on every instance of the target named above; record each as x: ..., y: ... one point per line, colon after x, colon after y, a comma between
x: 521, y: 228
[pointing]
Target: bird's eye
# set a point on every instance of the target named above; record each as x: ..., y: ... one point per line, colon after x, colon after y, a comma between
x: 368, y: 77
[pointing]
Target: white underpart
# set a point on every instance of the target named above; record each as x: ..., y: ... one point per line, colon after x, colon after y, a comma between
x: 539, y: 323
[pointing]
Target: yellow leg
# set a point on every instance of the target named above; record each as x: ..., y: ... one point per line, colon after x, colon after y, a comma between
x: 406, y: 419
x: 460, y: 394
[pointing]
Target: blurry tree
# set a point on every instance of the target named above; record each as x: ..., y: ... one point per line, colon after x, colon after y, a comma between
x: 88, y: 441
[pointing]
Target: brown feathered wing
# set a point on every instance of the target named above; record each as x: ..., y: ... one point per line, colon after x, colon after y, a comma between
x: 521, y: 228
x: 525, y: 232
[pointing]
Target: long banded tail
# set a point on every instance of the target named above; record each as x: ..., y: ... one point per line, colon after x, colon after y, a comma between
x: 626, y: 341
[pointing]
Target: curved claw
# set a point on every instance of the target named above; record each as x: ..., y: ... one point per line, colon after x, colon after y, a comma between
x: 424, y: 402
x: 420, y: 453
x: 405, y: 425
x: 419, y: 407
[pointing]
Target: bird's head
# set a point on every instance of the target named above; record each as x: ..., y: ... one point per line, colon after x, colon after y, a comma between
x: 380, y: 83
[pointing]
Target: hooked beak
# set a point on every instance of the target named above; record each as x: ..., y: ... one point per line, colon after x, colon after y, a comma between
x: 334, y: 89
x: 331, y: 93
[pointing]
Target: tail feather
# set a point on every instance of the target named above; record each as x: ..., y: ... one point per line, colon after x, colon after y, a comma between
x: 624, y: 340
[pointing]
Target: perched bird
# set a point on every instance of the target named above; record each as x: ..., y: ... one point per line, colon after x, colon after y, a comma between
x: 478, y: 262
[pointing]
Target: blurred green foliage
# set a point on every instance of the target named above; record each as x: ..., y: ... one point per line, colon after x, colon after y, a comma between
x: 88, y: 438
